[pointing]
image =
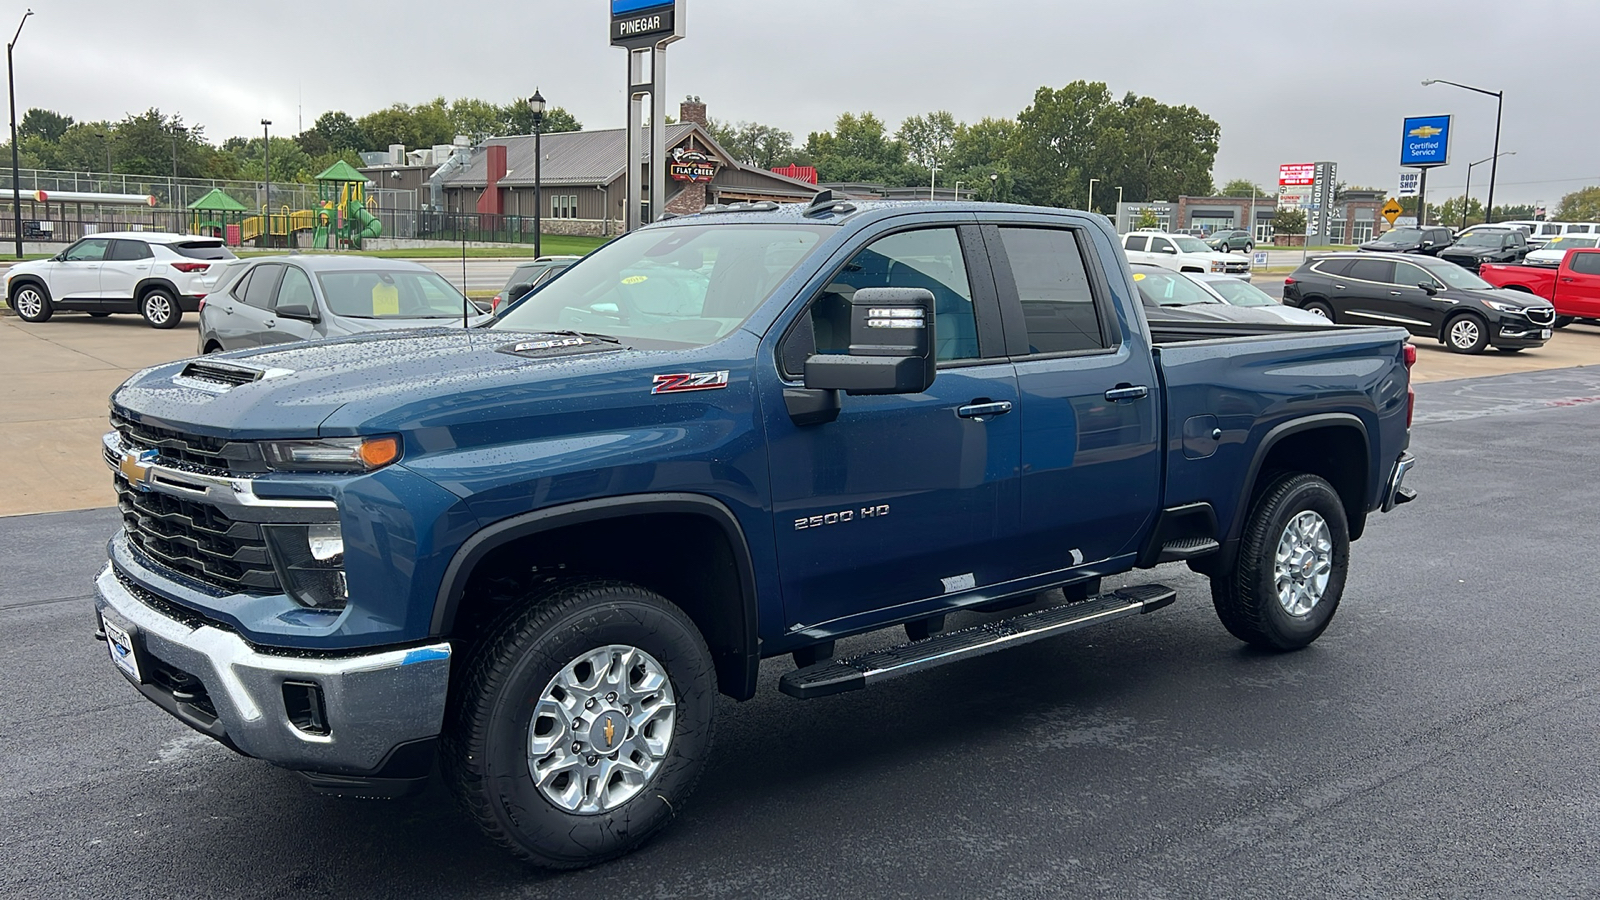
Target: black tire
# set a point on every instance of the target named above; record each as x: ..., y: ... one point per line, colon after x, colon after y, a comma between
x: 1322, y: 309
x: 31, y: 302
x: 100, y: 315
x: 1563, y: 321
x: 160, y: 308
x: 488, y: 728
x: 1250, y: 247
x: 1247, y: 599
x: 1466, y: 333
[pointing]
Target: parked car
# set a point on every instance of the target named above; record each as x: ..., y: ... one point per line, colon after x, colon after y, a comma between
x: 1541, y: 233
x: 1240, y: 293
x: 1178, y: 298
x: 154, y: 274
x: 532, y: 555
x: 279, y: 299
x: 1429, y: 297
x: 1412, y: 239
x: 1556, y: 249
x: 1573, y: 287
x: 1180, y: 253
x: 1229, y: 241
x: 528, y: 276
x: 1491, y: 244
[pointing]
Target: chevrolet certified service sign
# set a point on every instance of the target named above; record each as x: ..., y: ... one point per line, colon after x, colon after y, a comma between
x: 1425, y: 141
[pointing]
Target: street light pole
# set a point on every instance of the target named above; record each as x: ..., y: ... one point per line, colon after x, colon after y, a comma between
x: 172, y: 191
x: 1090, y: 205
x: 536, y: 106
x: 1499, y: 111
x: 16, y: 175
x: 933, y: 180
x: 1467, y: 197
x: 266, y: 182
x: 994, y: 185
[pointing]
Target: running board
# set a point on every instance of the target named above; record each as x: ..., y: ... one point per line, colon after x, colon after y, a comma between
x: 839, y: 676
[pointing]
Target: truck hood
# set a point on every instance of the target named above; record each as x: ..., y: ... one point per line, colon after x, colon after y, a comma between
x: 292, y: 392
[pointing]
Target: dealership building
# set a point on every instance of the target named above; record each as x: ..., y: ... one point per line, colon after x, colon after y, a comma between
x: 1332, y: 216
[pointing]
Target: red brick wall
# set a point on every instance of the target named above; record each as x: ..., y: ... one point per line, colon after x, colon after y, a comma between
x: 691, y: 199
x: 490, y: 200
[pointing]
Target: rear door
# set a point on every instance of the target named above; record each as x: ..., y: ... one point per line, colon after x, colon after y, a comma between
x: 1364, y: 296
x: 1089, y: 407
x: 1578, y: 284
x: 127, y: 263
x: 75, y: 282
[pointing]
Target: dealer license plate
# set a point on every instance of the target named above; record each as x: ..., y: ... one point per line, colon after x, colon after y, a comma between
x: 1545, y: 334
x: 121, y: 645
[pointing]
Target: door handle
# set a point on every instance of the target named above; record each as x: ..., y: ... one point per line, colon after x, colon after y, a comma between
x: 985, y: 408
x: 272, y: 323
x: 1394, y: 293
x: 1338, y: 287
x: 1568, y: 280
x: 1127, y: 392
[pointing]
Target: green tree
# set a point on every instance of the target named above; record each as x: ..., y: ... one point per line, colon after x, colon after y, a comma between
x: 1147, y: 219
x: 1064, y: 138
x: 43, y: 123
x: 414, y: 126
x: 1242, y: 187
x: 754, y: 144
x: 1164, y: 151
x: 340, y: 132
x: 858, y: 149
x: 929, y: 140
x: 1289, y: 221
x: 477, y: 119
x: 1580, y: 206
x: 1450, y: 211
x: 519, y: 119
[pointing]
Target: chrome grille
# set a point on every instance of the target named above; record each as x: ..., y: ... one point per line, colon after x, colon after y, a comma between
x: 189, y: 451
x: 1541, y: 315
x: 197, y: 540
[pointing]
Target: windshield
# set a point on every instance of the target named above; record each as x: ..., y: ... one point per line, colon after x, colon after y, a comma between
x: 1457, y: 277
x: 379, y: 294
x: 668, y: 287
x: 1483, y: 239
x: 1191, y: 245
x: 1401, y: 236
x: 1563, y: 244
x: 1170, y: 289
x: 1241, y: 293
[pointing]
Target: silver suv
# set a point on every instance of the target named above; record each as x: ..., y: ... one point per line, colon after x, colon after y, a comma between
x: 159, y: 276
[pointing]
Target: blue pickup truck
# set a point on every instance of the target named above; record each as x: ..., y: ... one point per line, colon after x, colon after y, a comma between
x: 533, y: 553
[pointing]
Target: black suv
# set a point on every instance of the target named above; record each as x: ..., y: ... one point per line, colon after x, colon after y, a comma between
x: 1412, y: 239
x: 1429, y: 297
x: 1229, y: 241
x: 1488, y: 245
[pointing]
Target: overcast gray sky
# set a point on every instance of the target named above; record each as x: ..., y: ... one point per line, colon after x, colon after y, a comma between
x: 1288, y: 80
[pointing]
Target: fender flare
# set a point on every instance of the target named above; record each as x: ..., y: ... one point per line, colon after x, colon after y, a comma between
x: 156, y: 282
x: 28, y: 278
x: 1272, y: 438
x: 491, y: 537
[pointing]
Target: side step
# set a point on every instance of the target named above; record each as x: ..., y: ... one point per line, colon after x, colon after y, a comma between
x: 838, y: 676
x: 1187, y: 548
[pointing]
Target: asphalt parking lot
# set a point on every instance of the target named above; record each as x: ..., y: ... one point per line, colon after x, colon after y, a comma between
x: 1437, y: 742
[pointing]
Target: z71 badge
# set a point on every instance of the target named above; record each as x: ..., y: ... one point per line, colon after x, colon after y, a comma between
x: 698, y: 381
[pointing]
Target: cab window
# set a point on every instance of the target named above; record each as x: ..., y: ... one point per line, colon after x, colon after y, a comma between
x: 1136, y: 242
x: 1058, y: 309
x: 92, y: 250
x: 129, y: 250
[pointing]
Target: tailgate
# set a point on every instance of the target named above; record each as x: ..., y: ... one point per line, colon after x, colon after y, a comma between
x: 1229, y: 399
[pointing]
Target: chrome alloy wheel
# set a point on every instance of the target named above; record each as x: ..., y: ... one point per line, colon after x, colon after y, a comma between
x: 601, y: 730
x: 30, y: 302
x: 1464, y: 333
x: 1317, y: 311
x: 157, y: 308
x: 1303, y: 564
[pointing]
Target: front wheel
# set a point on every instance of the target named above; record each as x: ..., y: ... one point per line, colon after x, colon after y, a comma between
x: 582, y: 723
x: 1466, y: 334
x: 32, y: 304
x: 160, y: 309
x: 1289, y: 576
x: 1563, y: 321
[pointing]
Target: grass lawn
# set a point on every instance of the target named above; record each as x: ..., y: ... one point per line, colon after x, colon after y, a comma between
x: 554, y: 245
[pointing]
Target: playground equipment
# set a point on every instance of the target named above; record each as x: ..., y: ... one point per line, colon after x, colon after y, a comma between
x: 343, y: 220
x: 213, y: 215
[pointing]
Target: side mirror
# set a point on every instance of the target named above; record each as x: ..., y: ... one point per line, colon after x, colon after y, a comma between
x: 1172, y: 250
x: 891, y: 346
x: 295, y: 311
x: 1429, y: 286
x: 1427, y: 243
x: 518, y: 291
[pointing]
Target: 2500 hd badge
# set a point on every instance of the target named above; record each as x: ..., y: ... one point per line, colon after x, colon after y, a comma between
x: 841, y: 517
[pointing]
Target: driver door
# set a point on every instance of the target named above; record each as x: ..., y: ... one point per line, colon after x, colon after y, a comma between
x: 294, y: 290
x: 75, y: 283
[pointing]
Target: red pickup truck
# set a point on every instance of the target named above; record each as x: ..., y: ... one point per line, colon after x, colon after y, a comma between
x: 1574, y: 287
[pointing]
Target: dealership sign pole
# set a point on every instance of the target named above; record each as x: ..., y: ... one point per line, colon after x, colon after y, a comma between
x: 644, y: 28
x: 1424, y: 145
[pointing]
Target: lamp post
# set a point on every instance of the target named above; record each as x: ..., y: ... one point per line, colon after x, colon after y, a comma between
x: 1466, y: 197
x: 933, y: 180
x: 16, y: 176
x: 1090, y: 205
x: 1499, y: 110
x: 958, y: 190
x: 266, y: 182
x: 536, y: 106
x: 172, y: 191
x: 994, y: 185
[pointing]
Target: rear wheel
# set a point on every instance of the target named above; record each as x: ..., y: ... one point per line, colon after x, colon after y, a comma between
x: 32, y: 303
x: 1466, y: 333
x: 1289, y: 576
x: 160, y: 309
x: 582, y: 724
x: 1319, y: 308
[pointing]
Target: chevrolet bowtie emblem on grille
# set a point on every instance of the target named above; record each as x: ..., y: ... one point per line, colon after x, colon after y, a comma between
x: 1424, y: 131
x: 135, y: 467
x: 611, y: 733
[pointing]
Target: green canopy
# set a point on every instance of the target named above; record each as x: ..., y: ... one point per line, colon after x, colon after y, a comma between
x: 217, y: 201
x: 341, y: 171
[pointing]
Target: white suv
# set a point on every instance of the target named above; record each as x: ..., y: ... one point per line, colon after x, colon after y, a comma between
x: 1181, y: 253
x: 159, y: 276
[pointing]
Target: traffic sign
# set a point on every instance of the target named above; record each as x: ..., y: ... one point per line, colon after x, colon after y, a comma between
x: 1425, y: 141
x: 1391, y: 210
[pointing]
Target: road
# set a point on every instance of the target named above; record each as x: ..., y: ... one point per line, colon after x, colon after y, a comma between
x: 479, y: 274
x: 1437, y: 742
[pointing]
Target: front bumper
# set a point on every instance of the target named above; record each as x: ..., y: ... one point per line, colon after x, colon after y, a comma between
x: 375, y: 707
x: 1519, y: 332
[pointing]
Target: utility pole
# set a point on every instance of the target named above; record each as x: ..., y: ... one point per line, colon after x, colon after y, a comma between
x: 16, y: 182
x: 266, y: 182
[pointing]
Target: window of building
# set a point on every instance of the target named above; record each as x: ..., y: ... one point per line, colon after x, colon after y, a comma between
x: 564, y: 206
x: 1361, y: 233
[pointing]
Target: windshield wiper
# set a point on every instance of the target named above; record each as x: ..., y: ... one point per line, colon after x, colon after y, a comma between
x: 593, y: 336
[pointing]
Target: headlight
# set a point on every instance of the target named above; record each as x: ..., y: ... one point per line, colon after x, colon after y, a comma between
x: 1218, y: 267
x: 1506, y: 307
x: 309, y: 560
x: 361, y: 454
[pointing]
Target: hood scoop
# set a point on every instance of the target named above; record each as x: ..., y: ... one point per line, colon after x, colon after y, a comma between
x: 217, y: 377
x: 545, y: 346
